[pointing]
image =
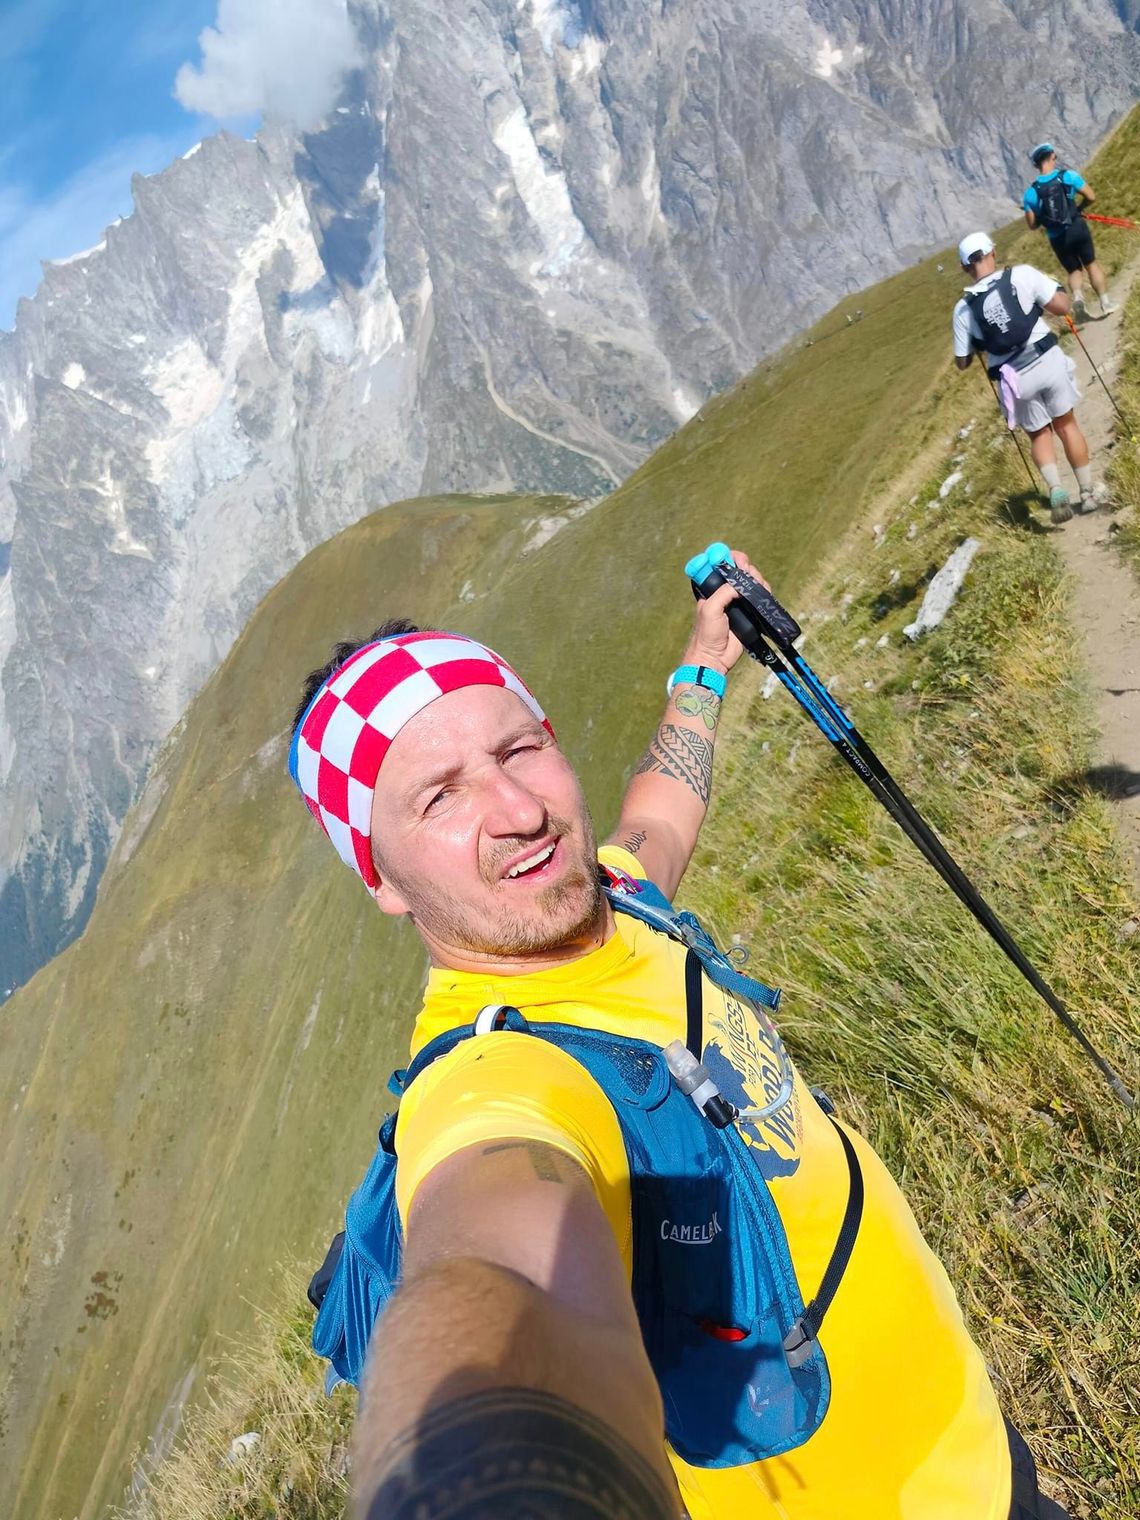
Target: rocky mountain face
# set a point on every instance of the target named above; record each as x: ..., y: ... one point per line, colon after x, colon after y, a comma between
x: 530, y: 238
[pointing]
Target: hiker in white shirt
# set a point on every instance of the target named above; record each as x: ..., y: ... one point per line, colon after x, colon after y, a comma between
x: 1000, y: 316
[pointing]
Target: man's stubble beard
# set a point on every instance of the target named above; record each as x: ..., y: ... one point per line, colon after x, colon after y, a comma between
x: 568, y: 911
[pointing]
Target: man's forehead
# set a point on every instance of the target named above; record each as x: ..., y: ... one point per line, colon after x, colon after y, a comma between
x: 473, y: 720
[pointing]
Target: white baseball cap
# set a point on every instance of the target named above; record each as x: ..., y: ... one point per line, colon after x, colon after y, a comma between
x: 974, y: 243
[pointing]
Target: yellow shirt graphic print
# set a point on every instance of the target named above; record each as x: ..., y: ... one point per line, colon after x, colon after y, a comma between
x: 745, y: 1057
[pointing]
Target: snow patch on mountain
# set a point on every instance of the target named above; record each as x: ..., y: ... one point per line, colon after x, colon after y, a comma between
x: 555, y: 21
x: 543, y: 192
x: 79, y: 258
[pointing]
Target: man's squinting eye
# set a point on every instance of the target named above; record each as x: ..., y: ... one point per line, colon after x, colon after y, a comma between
x: 432, y: 802
x: 526, y: 747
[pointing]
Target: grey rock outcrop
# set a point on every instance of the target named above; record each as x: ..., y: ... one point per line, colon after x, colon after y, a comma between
x: 530, y: 239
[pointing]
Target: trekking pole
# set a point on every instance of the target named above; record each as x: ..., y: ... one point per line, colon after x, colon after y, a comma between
x: 759, y: 622
x: 1111, y: 221
x: 1013, y: 434
x: 1076, y: 334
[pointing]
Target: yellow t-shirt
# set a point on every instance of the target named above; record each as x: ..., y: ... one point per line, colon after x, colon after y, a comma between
x: 913, y: 1431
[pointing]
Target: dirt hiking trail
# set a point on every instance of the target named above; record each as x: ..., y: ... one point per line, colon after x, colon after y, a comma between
x: 1106, y: 593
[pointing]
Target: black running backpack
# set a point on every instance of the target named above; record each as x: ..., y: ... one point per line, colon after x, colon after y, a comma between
x: 1055, y: 208
x: 1004, y: 324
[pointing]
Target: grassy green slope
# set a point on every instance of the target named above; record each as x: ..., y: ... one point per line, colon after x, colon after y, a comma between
x: 1120, y: 196
x: 190, y: 1090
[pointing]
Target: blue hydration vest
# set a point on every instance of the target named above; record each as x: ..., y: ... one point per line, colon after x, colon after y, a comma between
x: 736, y: 1353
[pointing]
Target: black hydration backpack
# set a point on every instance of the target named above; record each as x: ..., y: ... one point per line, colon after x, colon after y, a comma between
x: 1055, y: 208
x: 1005, y: 326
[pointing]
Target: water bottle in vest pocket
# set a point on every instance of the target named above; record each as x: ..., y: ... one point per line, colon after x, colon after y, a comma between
x: 714, y: 1287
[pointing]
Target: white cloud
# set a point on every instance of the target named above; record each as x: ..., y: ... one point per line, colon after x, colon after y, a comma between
x: 74, y: 216
x: 284, y: 57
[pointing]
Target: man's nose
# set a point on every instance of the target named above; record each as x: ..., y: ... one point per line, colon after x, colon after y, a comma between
x: 513, y: 808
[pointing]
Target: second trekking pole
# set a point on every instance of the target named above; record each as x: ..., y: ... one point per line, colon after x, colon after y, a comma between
x: 757, y: 618
x: 1013, y: 434
x: 1111, y: 221
x: 1076, y: 334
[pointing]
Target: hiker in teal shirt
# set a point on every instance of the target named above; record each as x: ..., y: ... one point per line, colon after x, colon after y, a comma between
x: 1051, y: 202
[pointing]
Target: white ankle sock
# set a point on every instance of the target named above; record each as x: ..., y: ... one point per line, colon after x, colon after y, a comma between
x: 1083, y: 473
x: 1051, y: 476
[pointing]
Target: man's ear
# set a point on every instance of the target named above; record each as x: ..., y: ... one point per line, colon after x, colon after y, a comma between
x: 387, y: 899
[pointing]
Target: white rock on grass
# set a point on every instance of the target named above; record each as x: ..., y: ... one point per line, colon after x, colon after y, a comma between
x: 943, y: 589
x: 949, y: 483
x: 241, y: 1446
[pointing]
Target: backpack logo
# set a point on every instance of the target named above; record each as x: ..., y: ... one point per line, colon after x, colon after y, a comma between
x: 994, y: 312
x: 692, y: 1234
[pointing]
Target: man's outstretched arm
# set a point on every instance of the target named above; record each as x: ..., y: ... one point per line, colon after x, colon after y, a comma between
x: 667, y: 799
x: 513, y: 1337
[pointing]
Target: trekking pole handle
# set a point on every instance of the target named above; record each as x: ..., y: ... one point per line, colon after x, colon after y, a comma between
x: 741, y: 618
x: 756, y: 612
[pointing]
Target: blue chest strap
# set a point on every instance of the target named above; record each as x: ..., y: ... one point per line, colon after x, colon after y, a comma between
x: 644, y: 901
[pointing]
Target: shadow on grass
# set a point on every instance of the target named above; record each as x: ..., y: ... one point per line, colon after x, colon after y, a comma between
x: 1115, y: 782
x: 901, y: 594
x: 1019, y: 511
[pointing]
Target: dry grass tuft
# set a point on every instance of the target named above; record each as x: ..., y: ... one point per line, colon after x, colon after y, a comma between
x: 273, y: 1387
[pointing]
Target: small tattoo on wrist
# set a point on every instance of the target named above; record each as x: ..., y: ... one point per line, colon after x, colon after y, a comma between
x: 699, y: 702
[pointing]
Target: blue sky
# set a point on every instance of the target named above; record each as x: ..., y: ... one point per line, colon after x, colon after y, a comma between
x: 86, y: 100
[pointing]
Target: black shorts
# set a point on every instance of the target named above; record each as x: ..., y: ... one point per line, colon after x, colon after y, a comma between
x: 1029, y: 1503
x: 1073, y: 245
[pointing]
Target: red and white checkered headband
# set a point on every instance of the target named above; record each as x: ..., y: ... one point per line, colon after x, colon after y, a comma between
x: 340, y: 743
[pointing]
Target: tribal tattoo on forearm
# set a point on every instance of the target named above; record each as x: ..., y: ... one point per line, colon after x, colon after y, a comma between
x: 515, y: 1454
x: 683, y: 756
